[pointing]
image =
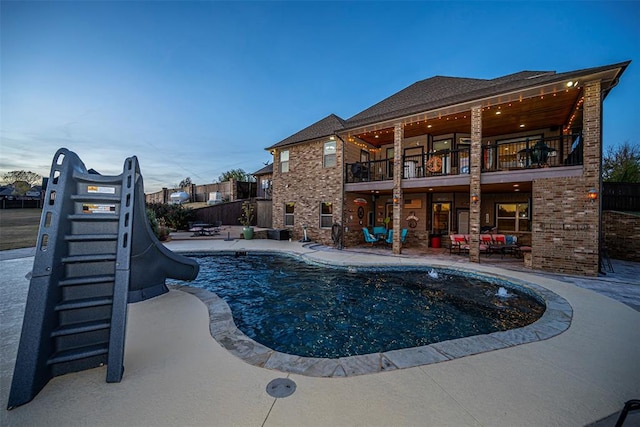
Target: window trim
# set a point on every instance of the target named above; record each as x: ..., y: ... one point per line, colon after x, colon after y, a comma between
x: 516, y: 219
x: 324, y: 215
x: 289, y: 215
x: 284, y: 162
x: 325, y: 156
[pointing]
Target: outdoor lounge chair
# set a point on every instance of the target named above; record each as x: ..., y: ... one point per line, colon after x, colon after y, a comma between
x: 368, y: 238
x: 459, y: 243
x: 403, y: 236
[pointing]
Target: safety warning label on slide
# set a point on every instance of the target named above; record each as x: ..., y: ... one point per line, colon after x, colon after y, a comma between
x: 97, y: 208
x: 101, y: 190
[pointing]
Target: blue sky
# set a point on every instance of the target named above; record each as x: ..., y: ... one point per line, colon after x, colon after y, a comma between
x: 197, y: 88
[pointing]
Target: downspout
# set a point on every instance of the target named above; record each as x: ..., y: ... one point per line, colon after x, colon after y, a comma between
x: 342, y: 196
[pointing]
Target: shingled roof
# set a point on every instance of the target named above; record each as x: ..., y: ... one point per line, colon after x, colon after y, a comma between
x: 325, y: 127
x: 437, y: 92
x: 267, y: 170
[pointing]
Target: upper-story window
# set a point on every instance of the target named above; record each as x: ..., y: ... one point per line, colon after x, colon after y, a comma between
x: 329, y: 154
x: 284, y: 161
x: 266, y: 187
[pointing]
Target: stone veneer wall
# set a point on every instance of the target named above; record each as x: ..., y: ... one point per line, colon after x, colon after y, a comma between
x: 307, y: 184
x: 621, y: 235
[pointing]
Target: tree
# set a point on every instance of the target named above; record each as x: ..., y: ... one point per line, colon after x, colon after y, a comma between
x: 622, y: 163
x: 185, y: 182
x: 29, y: 177
x: 237, y: 174
x: 22, y: 181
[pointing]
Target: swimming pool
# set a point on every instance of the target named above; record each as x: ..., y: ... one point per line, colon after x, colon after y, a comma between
x: 298, y: 308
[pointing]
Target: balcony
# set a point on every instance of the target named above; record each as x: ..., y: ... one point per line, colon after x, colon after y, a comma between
x: 514, y: 154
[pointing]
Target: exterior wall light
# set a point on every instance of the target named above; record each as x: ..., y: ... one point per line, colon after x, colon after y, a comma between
x: 593, y: 195
x: 395, y: 200
x: 475, y: 198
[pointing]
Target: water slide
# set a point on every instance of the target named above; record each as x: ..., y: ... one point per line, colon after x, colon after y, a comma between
x: 95, y: 253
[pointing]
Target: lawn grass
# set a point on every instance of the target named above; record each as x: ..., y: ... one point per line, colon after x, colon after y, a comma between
x: 19, y: 228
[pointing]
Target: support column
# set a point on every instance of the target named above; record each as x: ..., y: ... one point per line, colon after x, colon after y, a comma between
x: 475, y: 168
x: 592, y: 167
x: 398, y: 134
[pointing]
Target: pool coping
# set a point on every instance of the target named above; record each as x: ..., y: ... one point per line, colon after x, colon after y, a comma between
x: 556, y: 319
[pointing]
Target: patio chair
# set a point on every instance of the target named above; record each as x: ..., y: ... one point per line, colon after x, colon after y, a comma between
x: 368, y: 238
x: 485, y: 243
x: 458, y: 243
x: 403, y: 236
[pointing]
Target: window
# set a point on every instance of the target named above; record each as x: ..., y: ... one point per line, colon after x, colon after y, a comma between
x: 364, y: 156
x: 265, y: 184
x: 441, y: 217
x: 442, y: 149
x: 512, y: 153
x: 326, y: 214
x: 288, y: 214
x: 329, y: 154
x: 284, y: 161
x: 512, y: 217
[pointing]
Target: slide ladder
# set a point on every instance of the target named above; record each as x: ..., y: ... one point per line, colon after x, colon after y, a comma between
x: 95, y: 253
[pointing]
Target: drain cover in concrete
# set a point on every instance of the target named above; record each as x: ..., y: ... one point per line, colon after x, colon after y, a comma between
x: 281, y: 387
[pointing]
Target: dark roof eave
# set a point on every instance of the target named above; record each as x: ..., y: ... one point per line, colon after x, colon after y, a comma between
x: 483, y: 93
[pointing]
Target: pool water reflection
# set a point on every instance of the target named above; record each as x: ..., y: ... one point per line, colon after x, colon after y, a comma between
x: 318, y: 311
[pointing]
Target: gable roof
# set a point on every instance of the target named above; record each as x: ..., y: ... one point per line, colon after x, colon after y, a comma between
x: 437, y: 92
x: 266, y: 170
x: 325, y: 127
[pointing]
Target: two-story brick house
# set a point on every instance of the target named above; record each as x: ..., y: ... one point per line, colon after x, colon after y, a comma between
x: 520, y: 154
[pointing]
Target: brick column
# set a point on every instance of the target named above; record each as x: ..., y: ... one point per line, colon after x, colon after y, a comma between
x: 398, y: 133
x: 592, y: 133
x: 592, y: 167
x: 474, y: 184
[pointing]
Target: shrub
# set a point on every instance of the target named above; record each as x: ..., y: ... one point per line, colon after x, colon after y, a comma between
x: 175, y: 216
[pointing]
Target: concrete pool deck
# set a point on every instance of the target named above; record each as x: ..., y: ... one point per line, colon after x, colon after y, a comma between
x: 177, y: 374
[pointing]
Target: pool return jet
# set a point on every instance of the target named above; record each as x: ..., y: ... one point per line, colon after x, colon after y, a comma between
x: 95, y: 253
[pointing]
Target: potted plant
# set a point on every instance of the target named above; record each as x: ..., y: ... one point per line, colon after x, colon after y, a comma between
x: 245, y: 220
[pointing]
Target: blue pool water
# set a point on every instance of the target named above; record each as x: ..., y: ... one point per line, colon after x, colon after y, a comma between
x: 319, y: 311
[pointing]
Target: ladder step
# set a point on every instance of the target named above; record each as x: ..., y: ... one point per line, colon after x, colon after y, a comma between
x: 95, y: 198
x: 89, y: 258
x: 87, y: 280
x: 79, y: 353
x: 84, y: 303
x: 81, y: 328
x: 98, y: 180
x: 99, y: 217
x: 90, y: 237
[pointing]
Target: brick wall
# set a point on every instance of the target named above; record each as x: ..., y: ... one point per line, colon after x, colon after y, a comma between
x: 564, y: 234
x: 565, y: 229
x: 621, y: 235
x: 307, y: 184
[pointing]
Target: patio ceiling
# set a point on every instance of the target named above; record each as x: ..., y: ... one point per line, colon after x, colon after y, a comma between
x: 504, y: 187
x: 539, y: 112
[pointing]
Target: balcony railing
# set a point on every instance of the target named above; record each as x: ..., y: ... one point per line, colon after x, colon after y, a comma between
x: 516, y: 154
x: 565, y: 150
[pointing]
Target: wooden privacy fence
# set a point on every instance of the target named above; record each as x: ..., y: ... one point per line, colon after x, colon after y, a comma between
x: 229, y: 213
x: 621, y: 196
